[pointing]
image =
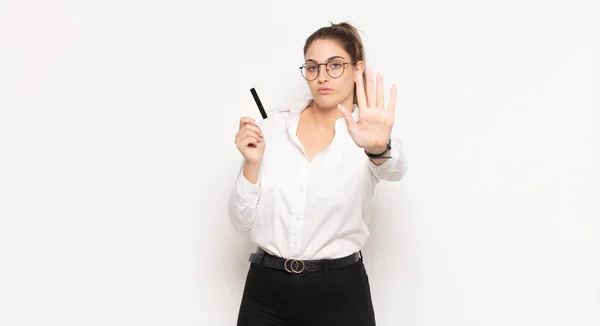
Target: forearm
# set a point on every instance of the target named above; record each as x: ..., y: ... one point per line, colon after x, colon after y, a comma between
x: 244, y: 198
x: 251, y: 172
x: 379, y: 149
x: 379, y: 161
x: 393, y: 167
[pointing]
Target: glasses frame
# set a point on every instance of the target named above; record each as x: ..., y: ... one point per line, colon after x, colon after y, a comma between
x: 326, y: 70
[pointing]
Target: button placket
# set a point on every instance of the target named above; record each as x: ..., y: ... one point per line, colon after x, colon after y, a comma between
x: 296, y: 222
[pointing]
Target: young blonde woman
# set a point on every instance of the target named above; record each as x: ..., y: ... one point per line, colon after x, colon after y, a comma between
x: 306, y: 186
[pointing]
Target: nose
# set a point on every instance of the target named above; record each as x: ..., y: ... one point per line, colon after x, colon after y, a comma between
x: 323, y: 75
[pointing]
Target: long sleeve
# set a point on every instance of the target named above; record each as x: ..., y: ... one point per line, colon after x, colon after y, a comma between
x: 394, y: 168
x: 243, y: 202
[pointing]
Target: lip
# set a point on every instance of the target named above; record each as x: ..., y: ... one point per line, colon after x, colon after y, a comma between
x: 325, y: 90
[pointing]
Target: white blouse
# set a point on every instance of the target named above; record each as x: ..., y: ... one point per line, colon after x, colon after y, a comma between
x: 310, y: 210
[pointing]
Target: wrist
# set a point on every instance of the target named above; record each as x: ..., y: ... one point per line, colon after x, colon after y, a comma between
x: 379, y: 149
x: 252, y: 164
x: 251, y: 172
x: 376, y: 150
x: 378, y: 153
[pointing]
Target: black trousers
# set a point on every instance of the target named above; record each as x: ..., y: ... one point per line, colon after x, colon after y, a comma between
x: 334, y: 297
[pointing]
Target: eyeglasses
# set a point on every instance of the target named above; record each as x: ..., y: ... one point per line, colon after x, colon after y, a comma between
x: 334, y: 67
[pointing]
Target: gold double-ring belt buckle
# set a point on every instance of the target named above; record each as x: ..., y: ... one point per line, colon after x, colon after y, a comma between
x: 294, y: 265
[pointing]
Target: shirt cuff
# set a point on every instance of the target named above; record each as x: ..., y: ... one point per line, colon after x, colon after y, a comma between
x: 389, y: 163
x: 248, y: 192
x: 393, y: 168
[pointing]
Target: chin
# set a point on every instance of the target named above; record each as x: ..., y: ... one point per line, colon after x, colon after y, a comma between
x: 326, y: 101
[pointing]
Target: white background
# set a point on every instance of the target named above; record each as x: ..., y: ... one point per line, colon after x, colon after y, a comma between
x: 117, y: 121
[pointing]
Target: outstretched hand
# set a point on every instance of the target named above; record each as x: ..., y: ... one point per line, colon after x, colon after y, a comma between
x: 373, y: 128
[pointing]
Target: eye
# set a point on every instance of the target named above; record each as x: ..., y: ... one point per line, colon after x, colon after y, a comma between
x: 335, y: 64
x: 311, y: 68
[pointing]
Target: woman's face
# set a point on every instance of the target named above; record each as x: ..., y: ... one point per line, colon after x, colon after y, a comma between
x: 326, y: 90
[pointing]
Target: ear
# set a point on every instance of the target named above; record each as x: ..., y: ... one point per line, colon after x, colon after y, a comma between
x: 359, y: 67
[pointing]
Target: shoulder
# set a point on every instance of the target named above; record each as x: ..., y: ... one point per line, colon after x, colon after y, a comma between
x: 281, y: 111
x: 282, y: 115
x: 277, y: 119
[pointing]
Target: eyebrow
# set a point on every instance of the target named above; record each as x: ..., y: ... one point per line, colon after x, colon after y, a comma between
x: 335, y: 56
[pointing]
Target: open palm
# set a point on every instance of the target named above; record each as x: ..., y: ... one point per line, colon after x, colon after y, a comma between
x: 373, y: 127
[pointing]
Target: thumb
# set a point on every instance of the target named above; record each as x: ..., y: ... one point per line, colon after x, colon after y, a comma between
x: 347, y: 116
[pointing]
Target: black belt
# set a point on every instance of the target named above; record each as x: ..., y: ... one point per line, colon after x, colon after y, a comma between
x: 298, y: 266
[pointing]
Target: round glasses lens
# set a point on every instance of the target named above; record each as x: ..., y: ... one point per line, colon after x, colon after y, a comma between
x: 335, y: 68
x: 310, y: 71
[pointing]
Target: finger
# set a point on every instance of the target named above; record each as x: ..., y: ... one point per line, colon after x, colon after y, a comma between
x: 248, y: 133
x: 360, y: 91
x: 253, y: 134
x: 380, y: 89
x: 247, y: 120
x: 347, y: 114
x: 392, y: 105
x: 371, y: 99
x: 253, y: 128
x: 248, y: 141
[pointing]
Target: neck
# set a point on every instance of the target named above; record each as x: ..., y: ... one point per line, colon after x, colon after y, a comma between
x: 325, y: 117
